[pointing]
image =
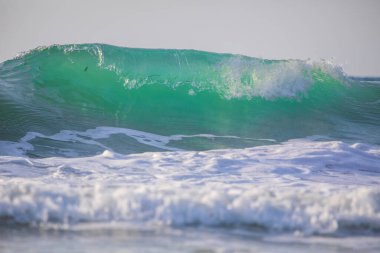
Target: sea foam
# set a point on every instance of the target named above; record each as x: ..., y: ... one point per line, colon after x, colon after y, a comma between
x: 303, y: 186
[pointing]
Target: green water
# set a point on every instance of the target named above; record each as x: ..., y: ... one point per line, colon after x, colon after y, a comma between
x: 166, y: 92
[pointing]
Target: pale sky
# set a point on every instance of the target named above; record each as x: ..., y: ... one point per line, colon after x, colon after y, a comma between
x: 346, y: 31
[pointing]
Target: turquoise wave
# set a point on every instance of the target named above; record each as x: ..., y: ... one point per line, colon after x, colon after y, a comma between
x: 169, y: 92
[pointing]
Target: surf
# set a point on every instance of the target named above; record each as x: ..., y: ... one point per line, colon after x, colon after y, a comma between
x: 304, y: 186
x: 186, y: 146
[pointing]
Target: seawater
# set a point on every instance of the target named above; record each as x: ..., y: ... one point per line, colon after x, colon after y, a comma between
x: 107, y: 148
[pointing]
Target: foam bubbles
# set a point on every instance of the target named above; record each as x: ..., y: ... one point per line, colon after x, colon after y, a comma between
x: 91, y: 137
x: 301, y: 186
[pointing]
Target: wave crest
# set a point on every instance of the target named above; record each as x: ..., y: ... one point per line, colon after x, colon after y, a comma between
x: 171, y: 92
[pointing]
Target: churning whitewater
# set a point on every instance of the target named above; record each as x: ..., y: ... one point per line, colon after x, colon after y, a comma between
x: 98, y: 134
x: 301, y: 185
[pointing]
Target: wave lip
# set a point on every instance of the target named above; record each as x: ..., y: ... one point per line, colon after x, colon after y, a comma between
x: 228, y: 75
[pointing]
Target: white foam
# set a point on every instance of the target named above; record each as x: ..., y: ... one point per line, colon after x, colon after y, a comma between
x: 244, y: 77
x: 301, y: 185
x: 91, y: 137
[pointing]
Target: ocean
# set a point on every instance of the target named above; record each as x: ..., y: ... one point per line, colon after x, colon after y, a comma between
x: 106, y: 148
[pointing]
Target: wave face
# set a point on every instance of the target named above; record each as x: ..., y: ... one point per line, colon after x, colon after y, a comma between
x: 221, y: 100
